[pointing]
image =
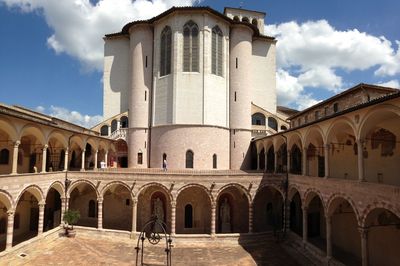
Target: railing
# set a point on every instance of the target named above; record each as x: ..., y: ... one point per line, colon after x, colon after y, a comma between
x: 119, y: 134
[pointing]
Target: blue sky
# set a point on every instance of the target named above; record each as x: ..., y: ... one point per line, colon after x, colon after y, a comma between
x: 51, y: 51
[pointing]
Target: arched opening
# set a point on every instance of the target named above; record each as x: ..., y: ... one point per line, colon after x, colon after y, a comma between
x: 345, y: 235
x: 4, y: 207
x: 153, y: 200
x: 261, y: 158
x: 271, y: 160
x: 236, y: 18
x: 83, y: 198
x: 272, y: 123
x: 232, y: 211
x: 124, y: 122
x: 6, y: 147
x: 296, y: 215
x: 52, y: 211
x: 113, y: 125
x: 122, y: 153
x: 383, y: 237
x: 282, y: 159
x: 316, y: 225
x: 193, y: 204
x: 165, y: 51
x: 258, y: 119
x: 4, y: 156
x: 245, y: 19
x: 104, y: 130
x: 26, y: 218
x: 283, y: 128
x: 89, y: 157
x: 189, y: 159
x: 214, y: 161
x: 268, y: 210
x: 117, y: 208
x: 254, y: 22
x: 296, y: 158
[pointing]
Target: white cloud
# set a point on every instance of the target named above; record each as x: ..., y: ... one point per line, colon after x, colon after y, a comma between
x: 79, y: 25
x: 71, y: 116
x: 394, y: 83
x: 321, y: 77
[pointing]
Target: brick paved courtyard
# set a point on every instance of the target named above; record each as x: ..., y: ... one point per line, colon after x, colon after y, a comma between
x: 91, y: 250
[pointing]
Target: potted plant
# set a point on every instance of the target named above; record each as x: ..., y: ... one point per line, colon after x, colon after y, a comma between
x: 70, y: 218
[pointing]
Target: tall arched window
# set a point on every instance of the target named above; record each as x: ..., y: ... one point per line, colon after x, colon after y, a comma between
x: 189, y: 159
x: 215, y: 161
x: 245, y: 19
x: 4, y: 156
x: 92, y: 209
x: 216, y: 51
x: 258, y: 119
x: 124, y: 122
x: 188, y: 216
x: 190, y: 47
x: 113, y: 125
x: 165, y: 53
x: 104, y: 130
x: 272, y: 123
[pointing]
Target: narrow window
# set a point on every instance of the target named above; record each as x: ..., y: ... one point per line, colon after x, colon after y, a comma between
x: 113, y: 125
x: 104, y: 130
x: 335, y: 107
x: 234, y: 144
x: 16, y: 221
x: 237, y: 62
x: 272, y: 123
x: 214, y: 161
x: 146, y: 61
x: 246, y: 19
x: 190, y: 47
x: 145, y: 95
x: 316, y: 115
x: 145, y: 143
x: 216, y: 51
x: 188, y: 216
x: 140, y: 158
x: 165, y: 53
x: 92, y: 209
x: 189, y: 159
x: 4, y: 156
x: 235, y: 96
x: 127, y: 202
x: 124, y: 122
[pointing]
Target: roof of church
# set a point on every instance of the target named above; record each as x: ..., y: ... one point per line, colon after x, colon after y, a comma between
x: 125, y: 29
x: 286, y: 110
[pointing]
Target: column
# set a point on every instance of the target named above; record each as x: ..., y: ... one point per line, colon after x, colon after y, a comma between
x: 66, y: 159
x: 305, y: 224
x: 288, y: 161
x: 360, y: 160
x: 63, y: 207
x: 106, y: 158
x: 250, y: 218
x: 118, y: 124
x: 266, y: 161
x: 10, y: 229
x: 258, y: 161
x: 134, y: 214
x: 100, y: 213
x: 213, y: 211
x: 15, y: 158
x: 328, y: 237
x: 44, y: 158
x: 41, y: 217
x: 276, y: 162
x: 83, y: 160
x: 364, y: 246
x: 173, y: 216
x: 326, y: 155
x: 304, y: 162
x: 95, y: 159
x: 109, y: 130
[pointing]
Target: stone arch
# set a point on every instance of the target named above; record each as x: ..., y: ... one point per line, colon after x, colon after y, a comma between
x: 9, y: 128
x: 377, y: 205
x: 35, y: 190
x: 274, y: 186
x: 268, y: 208
x: 239, y: 187
x: 161, y: 186
x: 308, y: 197
x: 334, y: 200
x: 206, y: 190
x: 7, y: 200
x: 310, y: 130
x: 335, y: 123
x: 57, y: 185
x: 112, y: 183
x: 58, y: 135
x: 294, y: 138
x: 33, y: 130
x: 293, y: 189
x: 76, y: 183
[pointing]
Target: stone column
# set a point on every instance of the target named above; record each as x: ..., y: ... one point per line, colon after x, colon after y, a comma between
x: 213, y: 212
x: 106, y: 158
x: 326, y: 155
x: 134, y: 215
x: 109, y: 130
x: 15, y: 158
x: 63, y: 207
x: 173, y: 217
x: 44, y: 158
x: 258, y: 161
x: 41, y: 217
x: 305, y: 224
x: 250, y: 218
x: 288, y: 161
x: 10, y: 229
x: 118, y: 124
x: 328, y: 220
x: 100, y: 213
x: 266, y: 160
x: 83, y: 160
x: 304, y: 162
x: 360, y: 160
x: 95, y: 159
x: 66, y: 159
x: 364, y: 246
x: 276, y: 162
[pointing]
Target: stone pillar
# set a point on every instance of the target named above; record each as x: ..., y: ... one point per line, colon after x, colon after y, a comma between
x: 83, y: 160
x: 100, y: 213
x: 250, y: 218
x: 328, y: 220
x: 66, y: 159
x: 326, y: 155
x: 360, y: 160
x: 95, y: 159
x: 276, y: 162
x: 15, y: 158
x: 173, y: 217
x: 44, y: 158
x: 304, y: 162
x: 63, y: 207
x: 288, y: 161
x: 106, y: 158
x: 213, y: 215
x: 41, y: 217
x: 258, y: 161
x: 109, y: 130
x: 134, y: 215
x: 364, y: 246
x: 10, y: 229
x: 305, y: 224
x: 118, y: 124
x: 266, y: 160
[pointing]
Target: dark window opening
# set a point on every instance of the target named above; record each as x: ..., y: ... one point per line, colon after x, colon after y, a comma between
x: 237, y: 62
x: 272, y: 123
x: 258, y: 119
x: 189, y: 159
x: 188, y: 216
x: 335, y: 107
x: 214, y: 161
x: 140, y: 158
x: 4, y: 156
x: 92, y: 209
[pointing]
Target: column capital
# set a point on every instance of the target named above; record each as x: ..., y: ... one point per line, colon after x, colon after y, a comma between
x: 100, y: 200
x: 363, y: 232
x: 327, y: 145
x: 17, y: 143
x: 134, y: 201
x: 213, y: 205
x: 10, y: 213
x: 304, y: 208
x: 45, y: 146
x: 173, y: 203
